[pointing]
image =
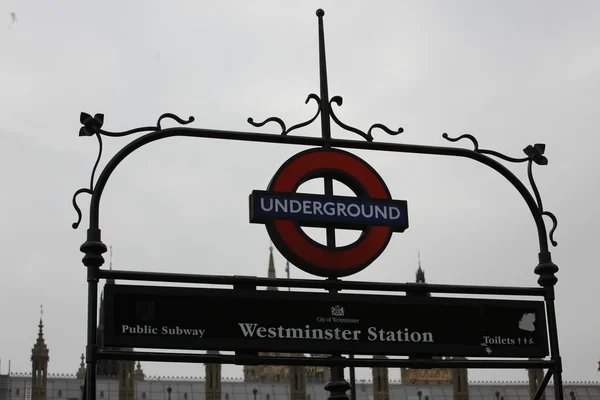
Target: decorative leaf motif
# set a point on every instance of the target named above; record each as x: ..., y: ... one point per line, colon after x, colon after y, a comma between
x: 91, y: 125
x: 536, y: 153
x: 84, y: 118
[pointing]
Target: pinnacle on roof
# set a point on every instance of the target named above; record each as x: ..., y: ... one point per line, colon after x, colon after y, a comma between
x: 271, y: 271
x: 420, y: 273
x: 40, y: 349
x: 138, y: 374
x: 81, y: 371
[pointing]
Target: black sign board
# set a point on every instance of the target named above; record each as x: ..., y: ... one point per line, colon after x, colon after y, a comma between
x: 300, y: 322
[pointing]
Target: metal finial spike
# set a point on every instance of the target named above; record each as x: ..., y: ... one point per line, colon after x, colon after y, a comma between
x: 325, y: 111
x: 41, y: 324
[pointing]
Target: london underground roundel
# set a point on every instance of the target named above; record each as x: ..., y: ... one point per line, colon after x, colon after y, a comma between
x: 285, y: 212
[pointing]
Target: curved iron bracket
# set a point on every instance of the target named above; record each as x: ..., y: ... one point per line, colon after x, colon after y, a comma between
x: 92, y: 126
x: 535, y: 154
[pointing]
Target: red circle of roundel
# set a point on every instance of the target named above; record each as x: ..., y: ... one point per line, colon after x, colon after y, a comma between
x: 307, y: 254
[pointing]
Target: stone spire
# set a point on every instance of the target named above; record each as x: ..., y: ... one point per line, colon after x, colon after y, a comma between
x: 420, y: 273
x: 81, y: 370
x: 420, y: 278
x: 39, y: 364
x: 271, y: 272
x: 139, y: 375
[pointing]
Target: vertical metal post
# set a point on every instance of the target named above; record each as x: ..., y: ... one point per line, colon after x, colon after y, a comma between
x: 546, y: 270
x: 92, y: 345
x: 554, y: 350
x: 93, y: 249
x: 338, y: 385
x: 325, y: 114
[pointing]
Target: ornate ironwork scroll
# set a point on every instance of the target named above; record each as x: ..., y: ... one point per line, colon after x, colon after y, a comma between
x: 535, y: 154
x: 92, y: 126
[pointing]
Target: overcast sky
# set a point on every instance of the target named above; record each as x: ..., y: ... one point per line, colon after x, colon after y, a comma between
x: 511, y: 73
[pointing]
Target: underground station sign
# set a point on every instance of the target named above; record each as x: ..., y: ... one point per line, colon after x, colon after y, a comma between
x: 284, y: 212
x: 242, y: 320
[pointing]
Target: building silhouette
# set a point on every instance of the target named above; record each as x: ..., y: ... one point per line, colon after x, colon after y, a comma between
x: 39, y: 365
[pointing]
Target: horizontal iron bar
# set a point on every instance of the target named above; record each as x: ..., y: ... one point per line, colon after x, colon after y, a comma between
x: 318, y: 284
x: 330, y: 361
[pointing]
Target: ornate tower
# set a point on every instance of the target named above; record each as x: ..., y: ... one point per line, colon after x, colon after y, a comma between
x: 81, y: 371
x: 381, y: 387
x: 535, y: 378
x: 213, y: 380
x: 139, y: 375
x: 39, y: 364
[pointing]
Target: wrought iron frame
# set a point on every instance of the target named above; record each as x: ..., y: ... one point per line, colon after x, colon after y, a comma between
x: 93, y: 247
